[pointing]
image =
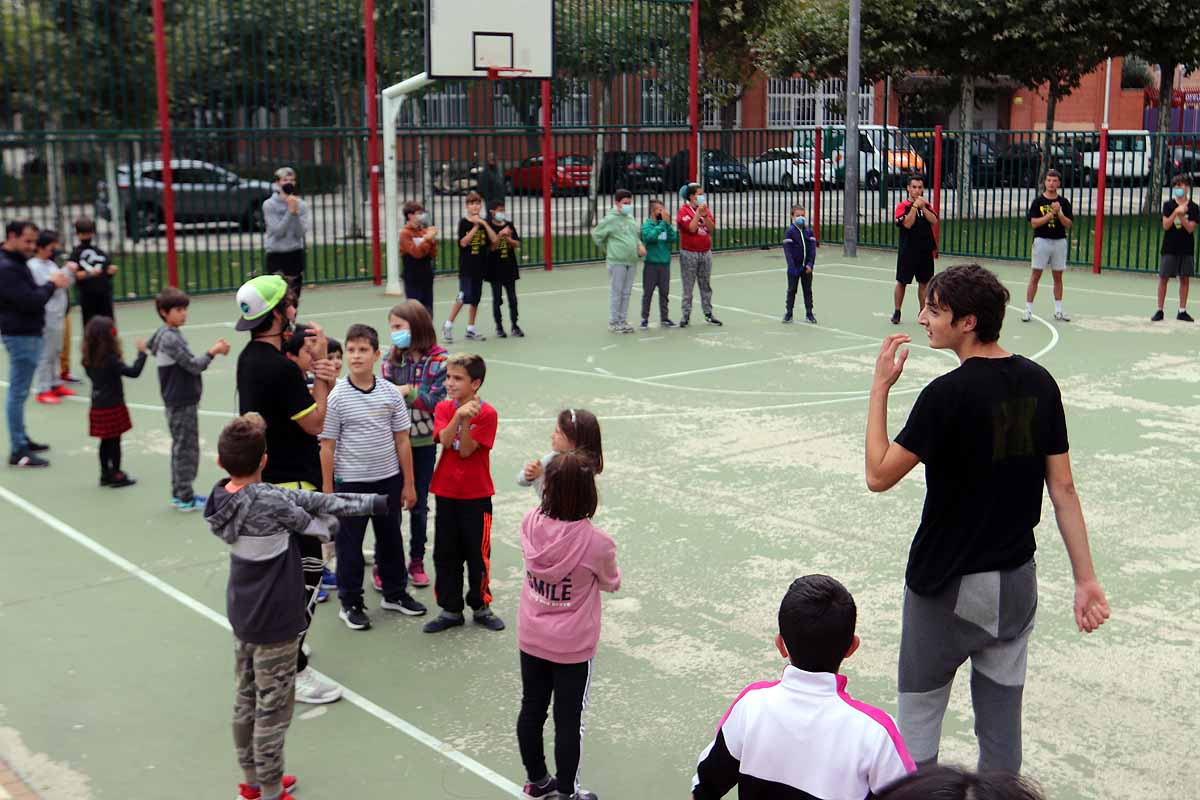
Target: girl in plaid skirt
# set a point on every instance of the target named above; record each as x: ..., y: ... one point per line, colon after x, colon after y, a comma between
x: 108, y: 417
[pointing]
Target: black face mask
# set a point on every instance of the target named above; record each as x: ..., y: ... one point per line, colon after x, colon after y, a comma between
x: 287, y: 188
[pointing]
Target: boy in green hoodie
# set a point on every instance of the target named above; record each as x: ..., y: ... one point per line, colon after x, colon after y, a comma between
x: 658, y: 234
x: 618, y: 235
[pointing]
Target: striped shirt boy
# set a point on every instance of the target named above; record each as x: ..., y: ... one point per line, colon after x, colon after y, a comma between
x: 364, y: 424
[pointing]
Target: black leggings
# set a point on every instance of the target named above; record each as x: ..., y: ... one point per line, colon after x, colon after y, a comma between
x: 568, y: 685
x: 510, y: 288
x: 110, y: 456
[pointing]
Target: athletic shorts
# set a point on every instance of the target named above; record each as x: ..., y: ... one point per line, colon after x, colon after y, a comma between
x: 470, y: 289
x: 1176, y: 266
x: 1049, y: 253
x: 919, y: 267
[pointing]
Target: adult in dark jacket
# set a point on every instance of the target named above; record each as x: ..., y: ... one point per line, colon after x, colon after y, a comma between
x: 490, y: 182
x: 22, y: 318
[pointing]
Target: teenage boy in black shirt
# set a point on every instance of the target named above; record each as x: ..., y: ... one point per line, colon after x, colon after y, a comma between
x: 475, y: 238
x: 1180, y: 217
x: 915, y: 218
x: 990, y: 434
x: 1051, y: 217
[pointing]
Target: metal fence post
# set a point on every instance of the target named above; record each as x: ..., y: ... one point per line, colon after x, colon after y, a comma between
x: 1098, y: 242
x: 694, y: 90
x: 937, y: 183
x: 164, y: 126
x: 816, y: 212
x: 548, y: 164
x: 372, y: 137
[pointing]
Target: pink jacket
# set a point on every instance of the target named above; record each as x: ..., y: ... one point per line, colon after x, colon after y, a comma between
x: 567, y: 565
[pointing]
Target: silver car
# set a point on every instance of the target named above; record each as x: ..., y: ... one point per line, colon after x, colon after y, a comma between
x: 204, y: 192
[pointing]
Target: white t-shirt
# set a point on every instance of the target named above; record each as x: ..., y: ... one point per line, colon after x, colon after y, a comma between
x: 364, y: 424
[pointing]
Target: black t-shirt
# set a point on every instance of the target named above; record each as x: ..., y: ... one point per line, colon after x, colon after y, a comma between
x: 1176, y: 240
x: 916, y: 243
x: 502, y: 261
x: 90, y: 256
x: 983, y: 432
x: 472, y: 259
x: 269, y: 383
x: 1052, y: 229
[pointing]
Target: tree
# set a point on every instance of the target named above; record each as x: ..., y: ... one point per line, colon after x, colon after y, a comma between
x: 731, y: 43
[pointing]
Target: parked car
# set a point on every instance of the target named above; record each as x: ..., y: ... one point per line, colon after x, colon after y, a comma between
x: 901, y: 158
x: 1020, y: 163
x: 786, y: 167
x: 450, y: 180
x: 721, y: 171
x: 1128, y: 157
x: 633, y: 171
x: 984, y: 171
x: 572, y: 173
x: 203, y: 192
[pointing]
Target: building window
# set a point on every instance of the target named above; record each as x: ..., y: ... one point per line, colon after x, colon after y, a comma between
x: 798, y: 102
x: 573, y: 103
x: 660, y: 109
x: 444, y: 108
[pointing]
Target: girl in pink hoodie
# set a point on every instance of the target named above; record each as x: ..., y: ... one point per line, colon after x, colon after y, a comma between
x: 568, y: 562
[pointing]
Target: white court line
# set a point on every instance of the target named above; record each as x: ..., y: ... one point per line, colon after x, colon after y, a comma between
x: 186, y: 600
x: 758, y: 362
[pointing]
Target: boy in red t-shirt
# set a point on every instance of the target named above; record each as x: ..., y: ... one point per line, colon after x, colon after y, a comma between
x: 465, y: 427
x: 696, y: 225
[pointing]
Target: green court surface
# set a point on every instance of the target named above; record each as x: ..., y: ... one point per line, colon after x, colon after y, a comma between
x: 733, y: 464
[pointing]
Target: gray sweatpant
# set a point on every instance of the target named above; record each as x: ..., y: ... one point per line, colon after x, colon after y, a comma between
x: 620, y: 277
x: 47, y: 375
x: 656, y: 276
x: 696, y: 268
x: 986, y: 617
x: 185, y: 450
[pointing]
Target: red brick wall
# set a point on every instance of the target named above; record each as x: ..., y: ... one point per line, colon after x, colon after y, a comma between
x: 1084, y: 108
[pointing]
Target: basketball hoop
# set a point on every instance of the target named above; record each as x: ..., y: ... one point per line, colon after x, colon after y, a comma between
x: 506, y: 73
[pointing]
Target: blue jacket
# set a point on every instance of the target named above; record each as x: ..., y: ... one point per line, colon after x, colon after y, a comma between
x: 799, y: 248
x: 22, y: 301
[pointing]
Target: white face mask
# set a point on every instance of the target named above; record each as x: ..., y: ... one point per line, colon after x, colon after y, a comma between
x: 701, y: 200
x: 423, y: 218
x: 626, y: 209
x: 500, y: 216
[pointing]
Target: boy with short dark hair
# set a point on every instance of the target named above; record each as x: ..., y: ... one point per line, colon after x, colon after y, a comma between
x: 1180, y: 216
x: 465, y: 426
x: 800, y: 250
x: 503, y: 269
x: 475, y: 236
x: 94, y: 273
x: 179, y: 382
x: 48, y: 382
x: 365, y: 448
x: 916, y: 222
x: 804, y: 736
x: 262, y: 524
x: 658, y: 234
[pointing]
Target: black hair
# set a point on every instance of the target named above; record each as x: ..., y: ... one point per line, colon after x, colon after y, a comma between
x: 968, y: 289
x: 360, y: 331
x: 170, y: 298
x: 332, y: 346
x: 47, y: 238
x: 1182, y: 180
x: 915, y: 176
x: 816, y: 620
x: 622, y: 194
x: 569, y: 491
x: 690, y: 192
x: 242, y: 444
x: 493, y: 205
x: 1053, y: 173
x: 469, y: 363
x: 17, y: 227
x: 952, y: 783
x: 85, y: 225
x: 295, y: 342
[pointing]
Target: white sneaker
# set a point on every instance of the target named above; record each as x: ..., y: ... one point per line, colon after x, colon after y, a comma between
x: 313, y: 690
x: 304, y: 648
x: 1062, y: 316
x: 448, y: 331
x: 1027, y: 315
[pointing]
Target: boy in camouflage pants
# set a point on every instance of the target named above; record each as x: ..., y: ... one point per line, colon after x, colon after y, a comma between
x: 262, y: 524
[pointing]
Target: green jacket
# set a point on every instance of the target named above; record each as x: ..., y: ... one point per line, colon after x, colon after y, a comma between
x: 617, y: 236
x: 658, y: 246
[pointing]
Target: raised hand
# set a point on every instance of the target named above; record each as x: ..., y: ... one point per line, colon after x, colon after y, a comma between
x: 890, y: 363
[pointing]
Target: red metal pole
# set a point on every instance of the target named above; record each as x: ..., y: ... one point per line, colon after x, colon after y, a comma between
x: 164, y: 127
x: 937, y: 184
x: 816, y: 210
x: 373, y: 138
x: 1098, y: 242
x: 548, y: 164
x: 694, y: 90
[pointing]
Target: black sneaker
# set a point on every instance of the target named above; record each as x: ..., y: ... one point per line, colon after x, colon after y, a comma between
x: 683, y: 323
x: 517, y: 332
x: 713, y: 320
x: 787, y: 317
x: 500, y: 334
x: 583, y: 795
x: 547, y: 789
x: 443, y: 622
x: 896, y: 317
x: 355, y: 618
x: 1184, y: 316
x: 645, y: 324
x: 26, y: 459
x: 405, y: 605
x: 488, y: 619
x: 475, y: 336
x: 810, y: 318
x: 34, y: 447
x: 666, y: 323
x: 1158, y: 316
x: 118, y: 480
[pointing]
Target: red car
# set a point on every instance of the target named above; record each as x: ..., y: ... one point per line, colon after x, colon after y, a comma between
x: 572, y: 173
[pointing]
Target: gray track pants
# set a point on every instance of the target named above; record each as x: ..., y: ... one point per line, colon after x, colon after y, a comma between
x: 986, y: 617
x: 696, y: 268
x: 620, y: 278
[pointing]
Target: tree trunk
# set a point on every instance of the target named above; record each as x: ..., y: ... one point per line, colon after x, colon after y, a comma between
x: 56, y: 174
x: 350, y: 174
x: 1158, y: 144
x: 598, y: 155
x: 966, y: 120
x: 1048, y: 138
x: 728, y: 120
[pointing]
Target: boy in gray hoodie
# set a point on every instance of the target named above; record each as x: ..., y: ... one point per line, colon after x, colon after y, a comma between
x: 264, y: 600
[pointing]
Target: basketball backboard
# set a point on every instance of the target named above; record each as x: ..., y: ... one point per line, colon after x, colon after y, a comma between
x: 464, y: 38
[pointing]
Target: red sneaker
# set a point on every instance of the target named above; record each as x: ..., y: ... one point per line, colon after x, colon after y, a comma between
x: 247, y: 792
x: 62, y: 391
x: 416, y: 572
x: 49, y: 398
x: 376, y: 581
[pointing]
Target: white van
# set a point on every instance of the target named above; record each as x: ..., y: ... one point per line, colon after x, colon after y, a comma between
x: 902, y: 159
x: 1128, y: 157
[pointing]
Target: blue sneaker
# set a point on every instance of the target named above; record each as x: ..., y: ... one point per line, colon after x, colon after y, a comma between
x: 195, y: 504
x: 322, y: 595
x: 328, y: 579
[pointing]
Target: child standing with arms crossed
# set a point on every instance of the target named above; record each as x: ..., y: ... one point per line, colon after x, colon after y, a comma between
x: 575, y: 429
x: 94, y: 273
x: 475, y: 236
x: 503, y: 269
x: 465, y: 426
x: 658, y: 234
x: 364, y: 449
x: 800, y: 250
x: 179, y: 381
x: 417, y: 365
x: 108, y: 417
x: 418, y: 250
x: 619, y: 236
x: 568, y: 562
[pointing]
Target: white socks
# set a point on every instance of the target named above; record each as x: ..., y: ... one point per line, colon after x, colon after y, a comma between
x: 1058, y: 306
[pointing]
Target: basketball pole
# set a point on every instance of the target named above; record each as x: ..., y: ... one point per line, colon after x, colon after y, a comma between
x: 372, y: 135
x: 393, y: 99
x: 694, y: 90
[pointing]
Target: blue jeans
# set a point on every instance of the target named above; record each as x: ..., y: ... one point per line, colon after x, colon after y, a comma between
x: 24, y: 352
x: 424, y: 460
